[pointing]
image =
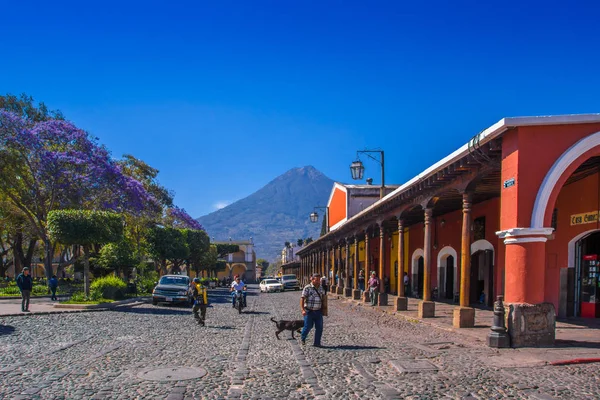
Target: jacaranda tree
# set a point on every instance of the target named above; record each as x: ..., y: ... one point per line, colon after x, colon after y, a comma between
x: 53, y: 165
x: 85, y: 228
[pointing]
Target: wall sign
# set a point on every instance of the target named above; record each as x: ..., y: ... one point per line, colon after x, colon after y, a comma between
x: 509, y: 182
x: 584, y: 218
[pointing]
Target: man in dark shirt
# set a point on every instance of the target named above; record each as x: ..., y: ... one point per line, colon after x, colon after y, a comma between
x: 25, y: 284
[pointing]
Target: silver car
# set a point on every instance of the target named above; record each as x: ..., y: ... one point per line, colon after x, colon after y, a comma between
x: 172, y: 289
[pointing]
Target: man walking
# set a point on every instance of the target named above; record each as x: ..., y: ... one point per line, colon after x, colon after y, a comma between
x: 374, y: 288
x: 25, y: 284
x: 312, y: 304
x: 53, y: 283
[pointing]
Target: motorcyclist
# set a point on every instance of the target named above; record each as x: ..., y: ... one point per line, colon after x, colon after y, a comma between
x: 236, y: 285
x: 200, y: 301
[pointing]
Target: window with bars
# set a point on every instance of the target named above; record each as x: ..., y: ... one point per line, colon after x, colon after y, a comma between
x: 479, y: 228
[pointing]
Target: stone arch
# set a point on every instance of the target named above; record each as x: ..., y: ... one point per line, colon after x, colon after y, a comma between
x: 443, y: 254
x: 414, y: 277
x: 481, y: 245
x: 558, y: 174
x: 238, y: 269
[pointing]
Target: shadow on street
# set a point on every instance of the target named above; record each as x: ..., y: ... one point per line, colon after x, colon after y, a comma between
x: 6, y: 330
x: 352, y: 347
x: 154, y: 311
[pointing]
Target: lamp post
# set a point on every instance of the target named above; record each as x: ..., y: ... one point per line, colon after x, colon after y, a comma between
x: 314, y: 216
x: 357, y: 168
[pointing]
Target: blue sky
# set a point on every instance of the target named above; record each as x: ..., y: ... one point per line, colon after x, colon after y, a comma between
x: 224, y: 96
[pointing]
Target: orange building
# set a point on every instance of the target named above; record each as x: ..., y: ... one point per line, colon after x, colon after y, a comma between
x: 512, y: 213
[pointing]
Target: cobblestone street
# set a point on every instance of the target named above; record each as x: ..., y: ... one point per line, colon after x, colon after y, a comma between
x: 141, y: 353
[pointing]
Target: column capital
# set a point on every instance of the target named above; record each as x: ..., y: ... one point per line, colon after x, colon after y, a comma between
x: 525, y: 235
x: 428, y: 215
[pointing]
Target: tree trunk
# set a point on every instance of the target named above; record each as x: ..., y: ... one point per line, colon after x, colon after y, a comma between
x: 86, y: 270
x: 48, y: 251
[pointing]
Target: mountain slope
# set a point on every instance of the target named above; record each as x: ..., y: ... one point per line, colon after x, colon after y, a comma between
x: 274, y: 214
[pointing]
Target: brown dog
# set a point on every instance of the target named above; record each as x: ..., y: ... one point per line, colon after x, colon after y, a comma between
x: 283, y: 325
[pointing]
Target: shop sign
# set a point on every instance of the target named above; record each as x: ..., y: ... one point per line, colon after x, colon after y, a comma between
x: 585, y: 218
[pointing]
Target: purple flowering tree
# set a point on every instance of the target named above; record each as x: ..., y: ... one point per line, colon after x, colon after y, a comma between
x: 176, y: 217
x: 52, y: 165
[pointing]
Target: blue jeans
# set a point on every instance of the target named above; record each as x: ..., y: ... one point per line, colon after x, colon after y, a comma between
x: 313, y: 318
x: 361, y: 286
x: 53, y: 290
x: 233, y: 298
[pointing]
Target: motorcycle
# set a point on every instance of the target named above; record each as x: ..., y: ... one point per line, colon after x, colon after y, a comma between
x: 239, y: 300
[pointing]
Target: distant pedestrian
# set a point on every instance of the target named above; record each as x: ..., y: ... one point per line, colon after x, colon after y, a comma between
x: 25, y: 284
x: 53, y: 283
x: 313, y: 304
x: 386, y: 283
x: 361, y: 281
x: 406, y: 285
x: 374, y: 288
x: 324, y: 284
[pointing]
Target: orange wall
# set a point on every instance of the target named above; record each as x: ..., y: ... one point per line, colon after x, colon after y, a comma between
x: 337, y: 206
x: 524, y: 160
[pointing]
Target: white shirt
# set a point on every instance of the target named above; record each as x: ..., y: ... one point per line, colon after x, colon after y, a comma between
x: 405, y: 279
x: 238, y: 286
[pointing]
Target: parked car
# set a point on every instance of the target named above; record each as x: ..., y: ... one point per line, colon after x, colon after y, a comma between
x: 270, y: 285
x: 289, y: 281
x: 172, y: 289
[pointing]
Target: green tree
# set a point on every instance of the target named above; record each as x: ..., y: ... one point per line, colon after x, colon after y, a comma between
x: 308, y: 240
x: 168, y: 244
x: 85, y: 228
x: 224, y: 249
x: 299, y: 242
x: 25, y: 107
x: 198, y: 243
x: 118, y: 257
x: 263, y: 263
x: 209, y: 259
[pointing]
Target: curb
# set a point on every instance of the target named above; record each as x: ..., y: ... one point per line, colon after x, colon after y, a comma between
x: 46, y: 296
x: 80, y: 309
x: 114, y: 304
x: 31, y: 314
x: 575, y: 361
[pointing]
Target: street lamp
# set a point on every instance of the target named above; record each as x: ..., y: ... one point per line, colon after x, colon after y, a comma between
x: 357, y: 168
x: 314, y: 216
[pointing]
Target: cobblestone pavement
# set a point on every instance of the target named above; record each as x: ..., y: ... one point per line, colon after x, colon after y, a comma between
x: 143, y: 352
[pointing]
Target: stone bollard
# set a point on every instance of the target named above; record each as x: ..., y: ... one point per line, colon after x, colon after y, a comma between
x: 498, y: 337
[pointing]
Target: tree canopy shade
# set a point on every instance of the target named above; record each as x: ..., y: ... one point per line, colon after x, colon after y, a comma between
x: 168, y: 244
x: 199, y: 244
x: 50, y: 165
x: 85, y: 228
x: 178, y: 218
x: 25, y: 107
x: 224, y: 249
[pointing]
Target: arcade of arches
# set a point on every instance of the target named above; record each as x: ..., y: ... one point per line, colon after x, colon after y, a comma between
x: 515, y: 215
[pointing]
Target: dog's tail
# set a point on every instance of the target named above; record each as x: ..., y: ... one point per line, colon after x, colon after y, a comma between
x: 273, y: 320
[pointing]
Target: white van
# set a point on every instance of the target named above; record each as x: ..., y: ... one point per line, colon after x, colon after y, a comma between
x: 289, y: 282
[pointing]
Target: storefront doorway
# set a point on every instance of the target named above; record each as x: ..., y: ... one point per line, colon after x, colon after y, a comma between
x: 449, y: 278
x: 583, y: 293
x: 482, y: 278
x: 418, y: 287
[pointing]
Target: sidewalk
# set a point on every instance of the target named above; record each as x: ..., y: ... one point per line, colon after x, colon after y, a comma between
x: 42, y: 305
x: 576, y: 338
